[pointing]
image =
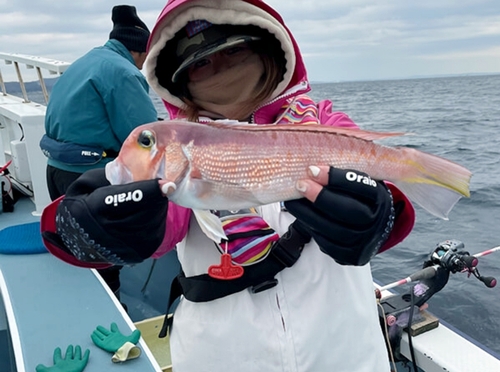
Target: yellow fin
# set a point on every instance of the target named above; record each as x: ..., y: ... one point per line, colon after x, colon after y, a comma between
x: 436, y: 184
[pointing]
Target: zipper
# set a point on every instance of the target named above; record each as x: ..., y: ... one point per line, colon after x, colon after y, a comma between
x: 287, y: 346
x: 302, y: 86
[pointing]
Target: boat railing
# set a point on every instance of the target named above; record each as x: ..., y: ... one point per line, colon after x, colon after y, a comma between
x: 22, y: 127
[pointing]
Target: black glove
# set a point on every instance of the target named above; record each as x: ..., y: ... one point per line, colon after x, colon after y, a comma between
x: 100, y: 223
x: 351, y: 218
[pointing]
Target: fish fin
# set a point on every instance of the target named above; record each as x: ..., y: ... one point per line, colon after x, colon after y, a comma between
x: 436, y: 184
x: 352, y: 132
x: 210, y: 224
x: 435, y: 199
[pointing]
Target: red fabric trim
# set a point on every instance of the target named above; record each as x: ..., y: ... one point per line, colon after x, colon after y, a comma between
x: 404, y: 222
x: 48, y: 223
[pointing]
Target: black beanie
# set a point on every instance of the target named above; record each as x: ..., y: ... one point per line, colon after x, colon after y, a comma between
x: 129, y: 29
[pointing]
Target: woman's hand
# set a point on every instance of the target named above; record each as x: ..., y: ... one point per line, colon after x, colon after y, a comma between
x: 349, y: 214
x: 310, y: 188
x: 105, y: 224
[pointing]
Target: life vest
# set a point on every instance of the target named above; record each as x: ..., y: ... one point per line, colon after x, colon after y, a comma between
x: 282, y: 253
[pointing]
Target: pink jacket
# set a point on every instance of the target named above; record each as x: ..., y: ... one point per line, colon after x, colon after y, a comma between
x: 178, y: 217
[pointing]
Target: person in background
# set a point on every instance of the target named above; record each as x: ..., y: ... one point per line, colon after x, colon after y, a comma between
x: 306, y: 299
x: 95, y: 104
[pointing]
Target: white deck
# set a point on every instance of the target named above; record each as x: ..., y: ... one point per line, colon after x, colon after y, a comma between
x: 46, y: 303
x: 50, y: 304
x: 442, y: 349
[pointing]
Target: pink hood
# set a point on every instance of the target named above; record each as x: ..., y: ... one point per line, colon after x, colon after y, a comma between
x: 175, y: 16
x: 177, y: 13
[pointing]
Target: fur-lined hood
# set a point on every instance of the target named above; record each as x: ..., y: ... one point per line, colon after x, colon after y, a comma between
x: 177, y: 13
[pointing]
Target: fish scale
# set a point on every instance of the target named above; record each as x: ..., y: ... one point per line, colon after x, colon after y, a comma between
x: 227, y: 166
x: 251, y: 166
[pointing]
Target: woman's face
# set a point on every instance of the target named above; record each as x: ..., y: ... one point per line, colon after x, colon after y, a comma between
x: 218, y: 62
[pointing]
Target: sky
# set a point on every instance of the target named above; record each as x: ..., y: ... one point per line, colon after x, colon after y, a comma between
x: 341, y: 40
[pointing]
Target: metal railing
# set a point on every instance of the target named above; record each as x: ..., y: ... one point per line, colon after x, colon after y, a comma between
x: 54, y: 67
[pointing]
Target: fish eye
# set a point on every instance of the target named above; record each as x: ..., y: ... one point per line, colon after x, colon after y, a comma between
x: 146, y: 139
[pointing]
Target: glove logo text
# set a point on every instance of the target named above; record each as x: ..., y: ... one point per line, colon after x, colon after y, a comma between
x: 135, y: 196
x: 354, y: 177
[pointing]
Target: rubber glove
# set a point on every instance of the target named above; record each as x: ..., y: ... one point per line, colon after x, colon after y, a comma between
x: 73, y: 361
x: 114, y: 341
x: 351, y: 218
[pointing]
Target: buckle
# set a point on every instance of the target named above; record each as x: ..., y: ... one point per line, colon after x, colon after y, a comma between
x: 288, y: 248
x: 286, y: 254
x: 264, y: 285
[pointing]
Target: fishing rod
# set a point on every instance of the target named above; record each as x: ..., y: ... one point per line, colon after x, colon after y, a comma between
x: 396, y: 311
x: 487, y: 252
x: 449, y: 256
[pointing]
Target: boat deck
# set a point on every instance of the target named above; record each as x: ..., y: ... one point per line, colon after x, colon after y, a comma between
x: 46, y: 303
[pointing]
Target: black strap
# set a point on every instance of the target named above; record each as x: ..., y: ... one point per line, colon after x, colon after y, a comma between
x: 175, y: 292
x: 73, y: 153
x: 202, y: 288
x: 110, y: 153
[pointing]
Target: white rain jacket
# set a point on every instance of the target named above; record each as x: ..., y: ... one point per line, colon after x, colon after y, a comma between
x: 320, y: 317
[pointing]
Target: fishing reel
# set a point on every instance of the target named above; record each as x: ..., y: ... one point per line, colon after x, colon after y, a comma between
x: 451, y: 256
x: 405, y: 311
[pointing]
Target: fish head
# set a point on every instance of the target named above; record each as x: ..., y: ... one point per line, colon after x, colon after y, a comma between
x: 150, y: 151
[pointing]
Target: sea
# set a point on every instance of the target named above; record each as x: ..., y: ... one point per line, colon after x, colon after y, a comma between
x: 457, y: 118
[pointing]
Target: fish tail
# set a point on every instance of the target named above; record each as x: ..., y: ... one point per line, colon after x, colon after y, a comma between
x: 436, y: 184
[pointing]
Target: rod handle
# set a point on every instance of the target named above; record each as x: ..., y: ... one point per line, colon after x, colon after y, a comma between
x: 488, y: 281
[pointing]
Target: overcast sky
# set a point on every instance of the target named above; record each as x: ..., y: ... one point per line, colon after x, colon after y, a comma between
x: 340, y: 39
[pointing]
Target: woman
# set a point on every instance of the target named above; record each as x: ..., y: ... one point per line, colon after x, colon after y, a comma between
x: 308, y: 303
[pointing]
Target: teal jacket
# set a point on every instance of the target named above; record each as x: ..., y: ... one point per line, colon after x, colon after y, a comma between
x: 98, y: 101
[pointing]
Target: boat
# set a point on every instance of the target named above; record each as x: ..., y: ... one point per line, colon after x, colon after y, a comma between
x: 45, y: 303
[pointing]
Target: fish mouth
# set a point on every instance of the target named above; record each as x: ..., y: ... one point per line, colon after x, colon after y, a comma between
x: 117, y: 173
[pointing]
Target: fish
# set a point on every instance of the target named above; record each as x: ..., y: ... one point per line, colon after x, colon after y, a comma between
x: 223, y: 166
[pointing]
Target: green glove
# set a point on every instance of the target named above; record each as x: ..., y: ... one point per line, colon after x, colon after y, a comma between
x: 73, y: 362
x: 113, y: 341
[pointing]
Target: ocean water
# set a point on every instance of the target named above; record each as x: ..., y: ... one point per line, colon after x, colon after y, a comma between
x: 457, y: 118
